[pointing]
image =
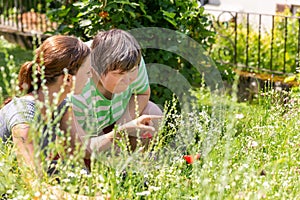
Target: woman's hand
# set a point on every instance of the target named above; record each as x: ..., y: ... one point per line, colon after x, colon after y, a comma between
x: 141, y: 126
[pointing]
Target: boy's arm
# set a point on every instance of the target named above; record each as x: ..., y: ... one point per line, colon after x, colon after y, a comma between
x: 136, y: 105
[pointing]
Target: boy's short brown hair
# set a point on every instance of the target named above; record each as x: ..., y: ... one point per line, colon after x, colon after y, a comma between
x: 115, y: 50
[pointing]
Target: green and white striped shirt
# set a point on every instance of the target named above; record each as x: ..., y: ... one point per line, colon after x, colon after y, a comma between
x: 94, y: 112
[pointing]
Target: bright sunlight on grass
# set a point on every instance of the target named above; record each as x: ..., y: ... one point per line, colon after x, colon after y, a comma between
x: 254, y: 155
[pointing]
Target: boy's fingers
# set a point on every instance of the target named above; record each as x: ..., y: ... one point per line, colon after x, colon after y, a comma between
x: 149, y: 117
x: 146, y: 128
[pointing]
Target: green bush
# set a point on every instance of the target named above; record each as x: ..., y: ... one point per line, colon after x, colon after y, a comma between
x: 85, y: 18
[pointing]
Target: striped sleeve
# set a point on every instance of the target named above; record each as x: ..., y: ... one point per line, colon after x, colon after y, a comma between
x: 80, y: 108
x: 141, y: 84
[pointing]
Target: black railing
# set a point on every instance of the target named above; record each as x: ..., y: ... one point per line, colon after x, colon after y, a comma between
x: 256, y: 42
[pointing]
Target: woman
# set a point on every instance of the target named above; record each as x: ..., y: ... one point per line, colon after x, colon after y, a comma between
x: 45, y: 83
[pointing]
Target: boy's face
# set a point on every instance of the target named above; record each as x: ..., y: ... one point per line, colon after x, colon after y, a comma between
x: 117, y: 81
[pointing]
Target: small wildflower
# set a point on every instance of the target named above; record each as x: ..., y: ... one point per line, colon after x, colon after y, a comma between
x: 101, y: 178
x: 103, y: 14
x: 245, y: 166
x: 154, y: 188
x: 190, y: 159
x: 227, y: 187
x: 83, y: 172
x: 104, y: 190
x: 239, y: 116
x: 266, y: 184
x: 71, y: 174
x: 37, y: 194
x: 144, y: 193
x: 253, y: 144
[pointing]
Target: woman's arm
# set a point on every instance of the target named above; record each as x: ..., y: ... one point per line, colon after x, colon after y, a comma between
x: 24, y: 145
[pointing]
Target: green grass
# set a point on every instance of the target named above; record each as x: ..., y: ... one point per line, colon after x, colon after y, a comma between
x: 12, y: 57
x: 19, y: 54
x: 252, y: 153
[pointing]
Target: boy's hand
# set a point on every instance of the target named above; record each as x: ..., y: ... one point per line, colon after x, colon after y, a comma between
x: 141, y: 125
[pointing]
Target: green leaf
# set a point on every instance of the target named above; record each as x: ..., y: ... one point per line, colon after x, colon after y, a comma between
x: 132, y: 14
x: 169, y: 14
x: 290, y: 79
x: 171, y: 21
x: 142, y: 6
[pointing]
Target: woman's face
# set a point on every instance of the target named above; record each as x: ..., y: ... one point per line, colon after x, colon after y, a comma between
x: 117, y: 81
x: 82, y: 75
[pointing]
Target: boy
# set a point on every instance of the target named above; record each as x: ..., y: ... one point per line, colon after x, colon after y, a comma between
x: 119, y: 88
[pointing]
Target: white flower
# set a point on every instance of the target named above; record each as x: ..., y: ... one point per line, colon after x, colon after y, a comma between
x: 144, y: 193
x: 154, y: 188
x: 266, y: 184
x: 83, y: 172
x: 66, y: 180
x: 71, y: 174
x: 253, y: 144
x: 101, y: 178
x: 239, y: 116
x: 9, y: 191
x: 37, y: 194
x: 245, y: 166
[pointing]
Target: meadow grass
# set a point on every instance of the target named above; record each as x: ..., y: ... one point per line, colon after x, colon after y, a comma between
x: 249, y: 151
x: 12, y: 57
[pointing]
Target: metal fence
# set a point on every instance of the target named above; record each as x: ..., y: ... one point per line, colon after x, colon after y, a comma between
x: 256, y: 42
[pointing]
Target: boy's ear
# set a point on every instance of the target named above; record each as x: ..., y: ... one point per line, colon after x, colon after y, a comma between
x: 95, y: 73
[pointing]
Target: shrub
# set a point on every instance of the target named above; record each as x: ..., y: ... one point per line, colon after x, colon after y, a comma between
x: 85, y: 18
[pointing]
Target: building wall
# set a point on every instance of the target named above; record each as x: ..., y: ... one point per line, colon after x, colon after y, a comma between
x: 265, y: 7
